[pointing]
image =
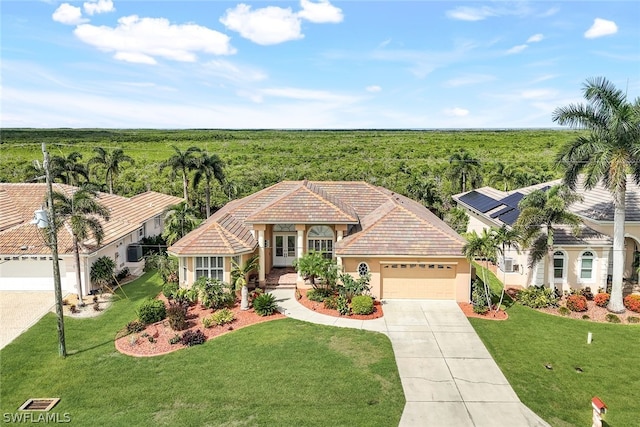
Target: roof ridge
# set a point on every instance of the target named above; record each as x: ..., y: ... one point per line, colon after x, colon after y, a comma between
x: 335, y: 201
x: 382, y: 207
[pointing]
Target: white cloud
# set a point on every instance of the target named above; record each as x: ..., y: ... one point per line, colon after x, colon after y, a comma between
x: 98, y: 6
x: 319, y: 13
x: 68, y: 15
x: 465, y: 13
x: 472, y: 79
x: 456, y: 112
x: 307, y: 95
x: 266, y: 26
x: 233, y: 72
x: 373, y: 88
x: 517, y: 49
x: 601, y: 27
x: 142, y: 40
x: 535, y: 38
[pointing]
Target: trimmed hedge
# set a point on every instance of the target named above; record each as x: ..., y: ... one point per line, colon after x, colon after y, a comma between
x: 151, y: 311
x: 362, y: 304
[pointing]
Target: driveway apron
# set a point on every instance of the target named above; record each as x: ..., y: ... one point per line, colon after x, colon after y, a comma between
x: 448, y: 376
x: 19, y: 310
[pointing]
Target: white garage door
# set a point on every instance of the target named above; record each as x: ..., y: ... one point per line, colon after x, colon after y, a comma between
x: 33, y: 273
x: 419, y: 281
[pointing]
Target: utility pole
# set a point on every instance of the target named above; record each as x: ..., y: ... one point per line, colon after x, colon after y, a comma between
x: 62, y: 349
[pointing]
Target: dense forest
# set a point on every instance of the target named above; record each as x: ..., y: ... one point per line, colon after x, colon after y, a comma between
x: 428, y: 165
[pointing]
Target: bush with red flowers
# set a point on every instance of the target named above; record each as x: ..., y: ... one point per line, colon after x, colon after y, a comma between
x: 577, y: 302
x: 632, y: 302
x: 601, y: 299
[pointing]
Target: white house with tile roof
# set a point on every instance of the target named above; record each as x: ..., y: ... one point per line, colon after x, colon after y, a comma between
x: 25, y: 258
x: 580, y: 260
x: 408, y: 251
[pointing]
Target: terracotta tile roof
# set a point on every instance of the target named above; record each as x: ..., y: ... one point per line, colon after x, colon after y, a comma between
x: 597, y: 203
x: 563, y: 236
x: 127, y: 215
x: 389, y: 224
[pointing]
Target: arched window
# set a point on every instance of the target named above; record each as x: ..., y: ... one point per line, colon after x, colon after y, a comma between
x: 363, y: 269
x: 586, y: 265
x: 558, y: 265
x: 320, y: 239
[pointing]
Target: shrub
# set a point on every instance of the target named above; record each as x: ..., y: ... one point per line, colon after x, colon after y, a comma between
x: 135, y: 326
x: 362, y: 304
x: 207, y: 322
x: 223, y: 316
x: 343, y: 306
x: 538, y: 297
x: 612, y: 318
x: 351, y: 287
x: 586, y: 292
x: 601, y: 299
x: 577, y: 302
x: 122, y: 274
x: 632, y: 302
x: 633, y: 319
x: 318, y: 295
x: 564, y: 311
x: 191, y: 338
x: 102, y: 271
x: 73, y: 308
x: 151, y: 311
x: 585, y: 317
x: 175, y: 339
x: 214, y: 293
x: 331, y: 302
x: 478, y: 298
x: 255, y: 294
x: 177, y: 316
x: 185, y: 296
x: 169, y: 289
x: 265, y: 305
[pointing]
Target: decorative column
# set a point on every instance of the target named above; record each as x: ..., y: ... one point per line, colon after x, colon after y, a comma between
x: 261, y: 254
x: 300, y: 229
x: 340, y: 229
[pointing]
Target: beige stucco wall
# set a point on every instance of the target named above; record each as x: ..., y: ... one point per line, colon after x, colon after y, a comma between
x: 463, y: 269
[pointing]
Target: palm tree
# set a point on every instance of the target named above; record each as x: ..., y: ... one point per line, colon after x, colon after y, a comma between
x: 178, y: 221
x: 540, y: 211
x: 505, y: 175
x: 464, y: 170
x: 183, y: 162
x: 239, y: 274
x: 68, y: 169
x: 111, y: 161
x: 481, y: 246
x: 427, y: 190
x: 505, y: 238
x: 208, y: 167
x: 82, y: 213
x: 608, y: 151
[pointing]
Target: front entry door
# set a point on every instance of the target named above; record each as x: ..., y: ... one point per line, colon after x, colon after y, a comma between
x: 285, y: 250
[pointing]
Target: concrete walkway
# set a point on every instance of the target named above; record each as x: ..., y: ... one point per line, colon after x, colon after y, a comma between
x: 448, y: 376
x: 19, y: 310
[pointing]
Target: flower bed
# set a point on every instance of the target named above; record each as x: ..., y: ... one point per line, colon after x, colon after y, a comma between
x: 320, y: 308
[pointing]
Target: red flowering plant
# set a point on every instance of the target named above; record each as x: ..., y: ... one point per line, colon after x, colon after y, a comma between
x: 601, y: 299
x: 577, y: 302
x: 632, y: 302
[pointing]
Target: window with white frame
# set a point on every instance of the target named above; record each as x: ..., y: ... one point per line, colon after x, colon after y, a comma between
x: 558, y: 265
x: 156, y: 221
x: 320, y: 239
x: 586, y: 265
x: 212, y: 267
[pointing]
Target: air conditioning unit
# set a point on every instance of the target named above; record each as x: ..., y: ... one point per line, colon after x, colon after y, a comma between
x: 508, y: 265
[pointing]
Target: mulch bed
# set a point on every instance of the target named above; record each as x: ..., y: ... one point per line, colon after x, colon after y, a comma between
x: 139, y: 346
x: 320, y: 308
x: 595, y: 313
x: 467, y: 309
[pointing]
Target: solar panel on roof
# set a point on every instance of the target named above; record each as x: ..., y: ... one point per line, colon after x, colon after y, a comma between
x: 510, y: 217
x: 512, y: 200
x: 501, y: 211
x: 479, y: 201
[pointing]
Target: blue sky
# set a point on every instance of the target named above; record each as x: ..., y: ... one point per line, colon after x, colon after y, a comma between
x: 308, y: 64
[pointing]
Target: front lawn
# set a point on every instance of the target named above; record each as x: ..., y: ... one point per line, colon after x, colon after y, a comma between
x: 283, y: 372
x: 529, y: 340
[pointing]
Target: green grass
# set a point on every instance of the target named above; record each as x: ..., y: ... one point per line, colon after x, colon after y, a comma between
x: 283, y: 372
x: 528, y: 340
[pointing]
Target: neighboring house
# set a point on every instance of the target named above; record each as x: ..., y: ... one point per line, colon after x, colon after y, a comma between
x: 408, y: 251
x: 25, y: 259
x: 580, y: 260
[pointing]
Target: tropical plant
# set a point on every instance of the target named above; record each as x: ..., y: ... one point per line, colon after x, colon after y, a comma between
x: 191, y: 338
x: 102, y: 271
x: 505, y: 238
x: 350, y: 287
x: 69, y: 169
x: 632, y: 302
x: 265, y: 305
x: 169, y: 289
x: 208, y: 167
x: 222, y: 317
x: 166, y: 265
x: 111, y: 162
x: 239, y: 274
x: 457, y: 219
x: 318, y: 270
x: 507, y: 176
x: 601, y: 299
x: 177, y: 316
x: 179, y: 220
x: 362, y: 304
x: 606, y: 153
x: 538, y: 297
x: 478, y: 298
x: 151, y: 311
x: 464, y: 170
x: 182, y: 162
x: 428, y: 191
x: 213, y: 293
x: 540, y: 212
x: 577, y: 302
x: 481, y: 247
x: 82, y: 212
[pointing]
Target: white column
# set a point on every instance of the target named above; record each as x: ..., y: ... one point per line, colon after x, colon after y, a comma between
x: 339, y: 235
x: 300, y: 247
x: 261, y: 254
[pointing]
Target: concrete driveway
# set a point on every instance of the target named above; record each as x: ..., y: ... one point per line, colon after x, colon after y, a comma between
x: 448, y: 376
x: 19, y: 310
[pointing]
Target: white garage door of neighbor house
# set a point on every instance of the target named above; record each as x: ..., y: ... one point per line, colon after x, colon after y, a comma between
x: 419, y: 281
x: 28, y: 274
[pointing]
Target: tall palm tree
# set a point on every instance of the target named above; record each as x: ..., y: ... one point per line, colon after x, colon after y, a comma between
x: 481, y: 246
x: 507, y: 175
x: 505, y: 238
x: 82, y: 213
x: 178, y: 221
x: 182, y: 162
x: 209, y: 167
x: 239, y: 274
x: 427, y: 190
x: 540, y: 211
x: 111, y: 162
x: 464, y: 170
x: 69, y: 169
x: 608, y: 151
